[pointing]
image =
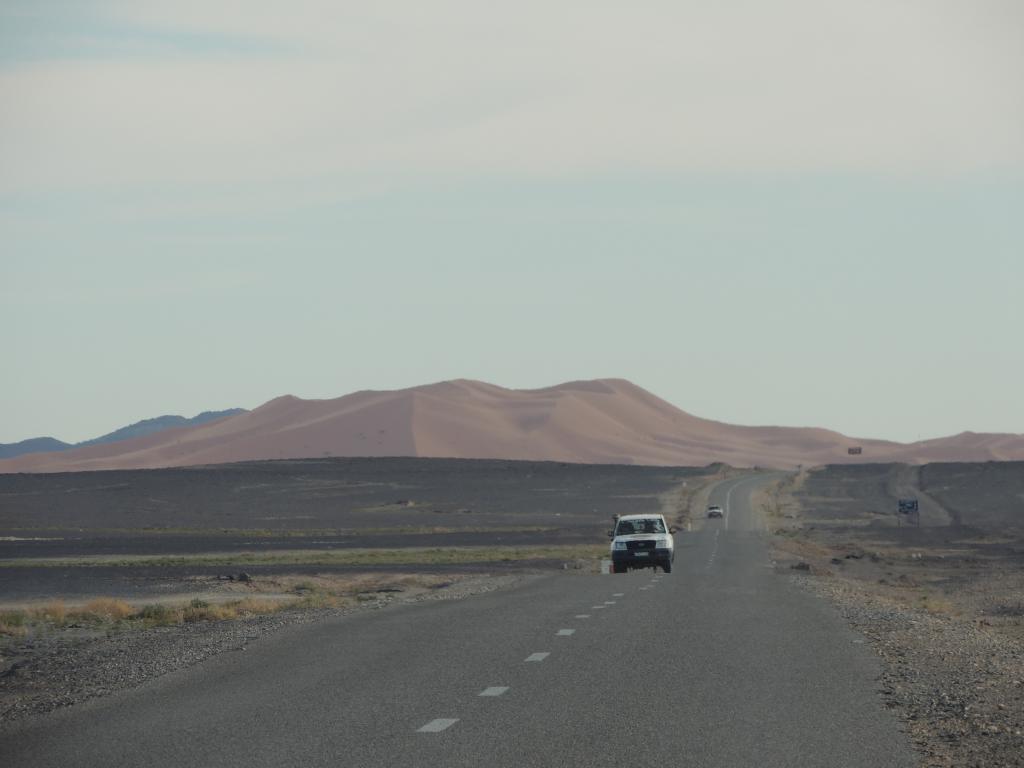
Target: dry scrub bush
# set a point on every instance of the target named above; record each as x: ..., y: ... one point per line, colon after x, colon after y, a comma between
x: 12, y: 630
x: 16, y: 623
x: 106, y: 608
x: 12, y: 623
x: 54, y: 611
x: 318, y: 600
x: 200, y: 610
x: 158, y: 615
x: 253, y: 605
x: 205, y: 612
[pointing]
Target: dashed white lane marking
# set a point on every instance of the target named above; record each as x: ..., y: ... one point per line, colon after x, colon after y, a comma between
x: 436, y: 726
x: 565, y: 632
x: 597, y: 607
x: 714, y: 549
x: 619, y: 594
x: 537, y: 656
x: 494, y: 690
x: 582, y: 615
x: 609, y: 602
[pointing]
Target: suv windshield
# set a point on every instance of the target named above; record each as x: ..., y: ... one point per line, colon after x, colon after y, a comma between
x: 626, y: 527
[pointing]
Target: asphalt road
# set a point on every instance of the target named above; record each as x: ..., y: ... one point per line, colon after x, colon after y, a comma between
x: 720, y: 663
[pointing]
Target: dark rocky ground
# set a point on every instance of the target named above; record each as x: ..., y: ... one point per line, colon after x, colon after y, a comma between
x: 942, y: 603
x: 988, y: 496
x: 278, y: 506
x: 328, y: 494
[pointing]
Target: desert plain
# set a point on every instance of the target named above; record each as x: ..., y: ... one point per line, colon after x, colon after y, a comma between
x: 146, y: 566
x: 111, y: 578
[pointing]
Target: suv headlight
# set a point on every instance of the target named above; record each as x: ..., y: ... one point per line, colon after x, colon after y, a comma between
x: 618, y: 545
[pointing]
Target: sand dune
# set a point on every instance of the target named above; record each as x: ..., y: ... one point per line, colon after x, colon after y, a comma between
x: 608, y: 421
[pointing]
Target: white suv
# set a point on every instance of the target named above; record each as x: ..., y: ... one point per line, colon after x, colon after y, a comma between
x: 642, y: 541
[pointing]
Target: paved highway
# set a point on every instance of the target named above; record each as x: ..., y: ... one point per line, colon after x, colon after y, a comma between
x: 720, y: 663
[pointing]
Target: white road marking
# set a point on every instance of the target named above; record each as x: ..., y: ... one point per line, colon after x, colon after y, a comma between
x: 714, y: 549
x: 537, y: 656
x: 609, y: 602
x: 582, y: 615
x: 436, y: 726
x: 494, y: 690
x: 597, y: 607
x: 565, y: 632
x: 619, y: 594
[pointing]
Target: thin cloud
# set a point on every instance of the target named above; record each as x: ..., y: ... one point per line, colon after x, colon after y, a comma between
x: 453, y: 89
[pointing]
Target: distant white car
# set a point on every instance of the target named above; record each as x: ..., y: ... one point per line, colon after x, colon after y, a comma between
x: 642, y: 541
x: 715, y: 511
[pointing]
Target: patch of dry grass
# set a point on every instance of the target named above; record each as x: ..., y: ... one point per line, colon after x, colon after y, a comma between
x: 108, y: 611
x: 106, y: 608
x: 302, y: 533
x: 300, y: 592
x: 12, y: 623
x: 201, y: 610
x: 403, y: 556
x: 54, y: 611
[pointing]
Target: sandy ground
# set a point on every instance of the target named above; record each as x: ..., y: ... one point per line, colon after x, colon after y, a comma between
x: 941, y: 602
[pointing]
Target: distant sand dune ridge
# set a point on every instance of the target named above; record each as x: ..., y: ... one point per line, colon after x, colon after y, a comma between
x: 604, y: 421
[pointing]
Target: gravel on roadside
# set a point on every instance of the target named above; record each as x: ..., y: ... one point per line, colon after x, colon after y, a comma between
x: 60, y: 669
x: 957, y: 686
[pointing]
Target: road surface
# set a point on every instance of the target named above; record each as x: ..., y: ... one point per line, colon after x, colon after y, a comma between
x: 720, y: 663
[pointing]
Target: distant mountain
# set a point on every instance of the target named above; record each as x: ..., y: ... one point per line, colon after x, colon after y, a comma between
x: 159, y: 424
x: 33, y: 445
x: 138, y: 429
x: 607, y: 421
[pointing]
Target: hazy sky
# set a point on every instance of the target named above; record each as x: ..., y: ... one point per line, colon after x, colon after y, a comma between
x: 804, y: 212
